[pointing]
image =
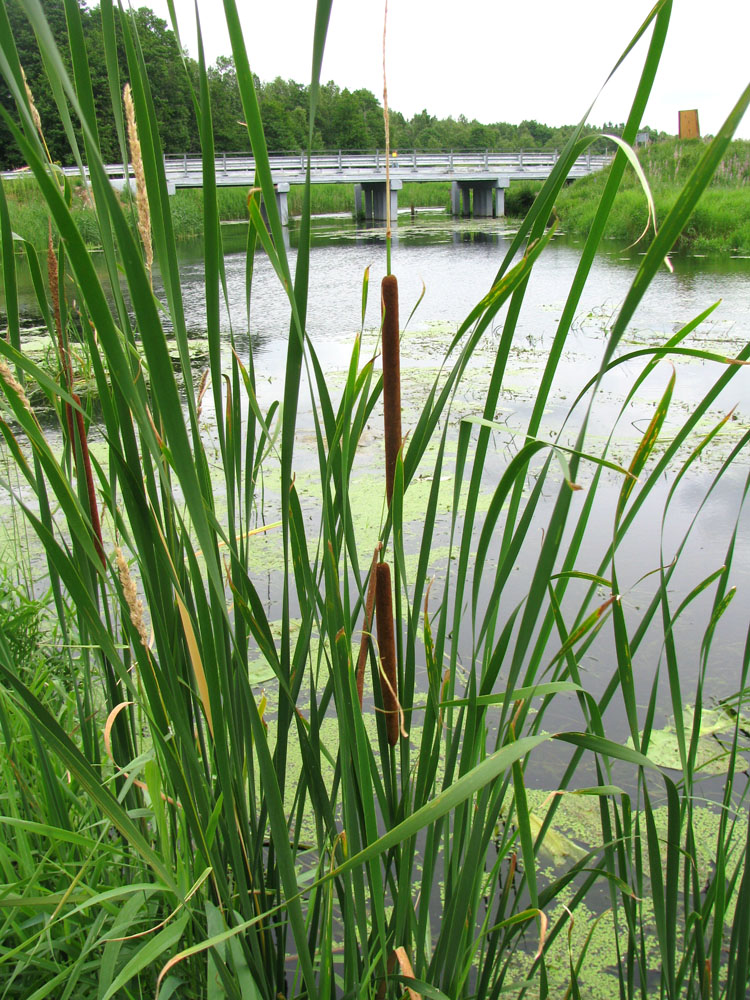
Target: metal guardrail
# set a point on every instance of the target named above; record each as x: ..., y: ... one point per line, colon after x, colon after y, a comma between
x: 401, y: 162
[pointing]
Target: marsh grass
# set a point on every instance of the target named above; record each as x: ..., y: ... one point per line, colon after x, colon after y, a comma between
x: 719, y: 221
x: 167, y: 829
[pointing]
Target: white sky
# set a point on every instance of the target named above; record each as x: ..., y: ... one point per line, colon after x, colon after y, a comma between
x: 499, y: 61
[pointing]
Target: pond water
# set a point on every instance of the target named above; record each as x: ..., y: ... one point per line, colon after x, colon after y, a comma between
x: 454, y: 264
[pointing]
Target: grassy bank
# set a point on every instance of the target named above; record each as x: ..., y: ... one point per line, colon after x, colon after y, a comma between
x: 720, y: 221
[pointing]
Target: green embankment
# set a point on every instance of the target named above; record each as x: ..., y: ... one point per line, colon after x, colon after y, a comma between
x: 720, y: 222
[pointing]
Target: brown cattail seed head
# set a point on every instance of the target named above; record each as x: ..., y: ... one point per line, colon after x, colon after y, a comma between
x: 391, y: 380
x: 387, y: 645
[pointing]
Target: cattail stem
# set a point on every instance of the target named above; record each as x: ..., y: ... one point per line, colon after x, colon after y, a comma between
x: 89, y: 480
x: 387, y: 124
x: 387, y: 645
x: 391, y: 380
x: 367, y: 624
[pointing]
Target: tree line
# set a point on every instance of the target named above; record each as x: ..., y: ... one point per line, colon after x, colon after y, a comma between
x: 345, y: 119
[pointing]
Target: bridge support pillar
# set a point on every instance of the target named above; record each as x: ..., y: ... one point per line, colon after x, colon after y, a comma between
x: 501, y: 184
x: 464, y: 193
x: 455, y: 199
x: 375, y: 200
x: 282, y: 202
x: 483, y: 201
x: 461, y: 198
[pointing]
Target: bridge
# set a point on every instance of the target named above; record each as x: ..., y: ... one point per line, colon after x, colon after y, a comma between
x: 478, y: 179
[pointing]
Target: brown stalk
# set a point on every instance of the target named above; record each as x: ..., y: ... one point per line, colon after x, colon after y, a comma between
x: 367, y: 623
x: 387, y: 644
x: 89, y: 477
x: 391, y: 380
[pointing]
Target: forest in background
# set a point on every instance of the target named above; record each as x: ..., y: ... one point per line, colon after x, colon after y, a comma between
x: 346, y: 119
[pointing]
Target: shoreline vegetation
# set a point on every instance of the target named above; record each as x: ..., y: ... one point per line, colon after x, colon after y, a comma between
x: 719, y: 224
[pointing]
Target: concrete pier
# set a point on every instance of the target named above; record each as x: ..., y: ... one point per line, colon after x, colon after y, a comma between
x: 282, y: 201
x: 475, y: 197
x: 370, y: 200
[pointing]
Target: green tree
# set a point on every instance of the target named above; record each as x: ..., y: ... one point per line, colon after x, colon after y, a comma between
x: 230, y: 135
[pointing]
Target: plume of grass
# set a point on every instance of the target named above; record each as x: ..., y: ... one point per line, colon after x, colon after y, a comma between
x: 15, y: 387
x: 35, y: 116
x: 141, y: 195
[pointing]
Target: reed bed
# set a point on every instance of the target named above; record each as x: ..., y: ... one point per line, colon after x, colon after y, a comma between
x: 169, y: 828
x: 719, y: 221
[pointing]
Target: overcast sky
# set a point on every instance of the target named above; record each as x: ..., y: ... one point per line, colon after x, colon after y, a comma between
x: 499, y: 61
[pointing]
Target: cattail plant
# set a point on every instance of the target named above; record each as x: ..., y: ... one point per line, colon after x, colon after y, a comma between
x: 141, y: 198
x: 387, y: 644
x: 239, y: 837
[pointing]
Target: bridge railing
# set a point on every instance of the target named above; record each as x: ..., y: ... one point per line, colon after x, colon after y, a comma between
x: 401, y: 161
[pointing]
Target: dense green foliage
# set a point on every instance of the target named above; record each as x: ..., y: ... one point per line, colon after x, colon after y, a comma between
x: 198, y: 801
x: 344, y: 119
x: 720, y: 221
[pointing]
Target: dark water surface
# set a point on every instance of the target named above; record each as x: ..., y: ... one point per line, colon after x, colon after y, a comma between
x: 454, y: 264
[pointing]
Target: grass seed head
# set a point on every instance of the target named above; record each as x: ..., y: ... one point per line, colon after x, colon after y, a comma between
x: 15, y: 386
x: 130, y: 592
x: 32, y: 106
x: 141, y: 198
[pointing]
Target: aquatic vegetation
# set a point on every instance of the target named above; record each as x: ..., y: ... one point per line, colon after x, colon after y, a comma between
x: 216, y: 801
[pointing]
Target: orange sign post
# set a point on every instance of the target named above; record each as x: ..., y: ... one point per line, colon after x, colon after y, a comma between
x: 689, y: 125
